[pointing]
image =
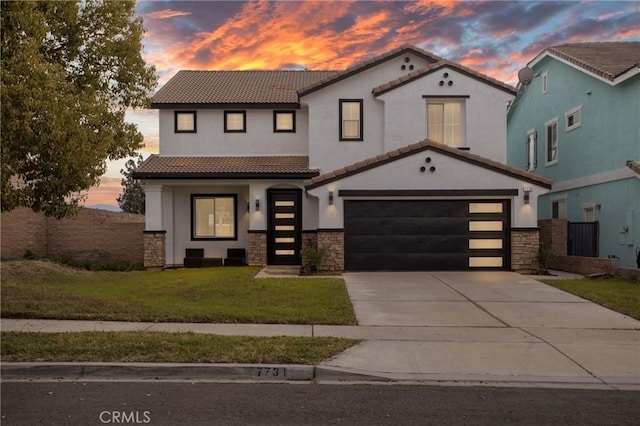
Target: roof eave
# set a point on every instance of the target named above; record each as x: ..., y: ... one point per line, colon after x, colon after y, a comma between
x: 229, y: 105
x: 240, y: 175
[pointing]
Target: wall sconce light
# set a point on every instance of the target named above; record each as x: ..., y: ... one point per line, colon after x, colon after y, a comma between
x: 257, y: 204
x: 527, y: 192
x: 330, y: 198
x: 248, y: 206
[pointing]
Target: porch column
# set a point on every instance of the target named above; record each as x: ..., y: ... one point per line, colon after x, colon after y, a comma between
x: 155, y: 234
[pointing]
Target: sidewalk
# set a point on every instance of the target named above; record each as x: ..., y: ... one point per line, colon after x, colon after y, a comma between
x: 498, y: 329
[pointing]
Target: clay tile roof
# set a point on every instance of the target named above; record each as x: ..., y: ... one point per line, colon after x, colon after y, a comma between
x: 363, y: 65
x: 157, y: 167
x: 430, y: 68
x: 419, y: 147
x: 608, y: 60
x: 233, y: 87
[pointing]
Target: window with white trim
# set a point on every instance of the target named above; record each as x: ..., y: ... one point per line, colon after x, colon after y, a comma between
x: 213, y: 217
x: 235, y: 121
x: 446, y: 121
x: 573, y: 118
x: 545, y: 82
x: 185, y: 121
x: 531, y: 149
x: 551, y: 141
x: 351, y: 127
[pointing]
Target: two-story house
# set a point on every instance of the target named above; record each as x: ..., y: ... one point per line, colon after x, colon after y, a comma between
x: 577, y: 122
x: 396, y: 163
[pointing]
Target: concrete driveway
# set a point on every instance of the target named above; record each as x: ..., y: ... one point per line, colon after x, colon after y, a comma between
x: 485, y: 326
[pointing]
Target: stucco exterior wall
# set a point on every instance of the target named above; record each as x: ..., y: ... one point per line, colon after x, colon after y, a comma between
x: 608, y: 136
x: 450, y: 173
x: 326, y: 151
x: 405, y: 112
x: 210, y: 139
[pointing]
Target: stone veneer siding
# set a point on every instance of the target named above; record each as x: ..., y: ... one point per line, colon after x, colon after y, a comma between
x: 154, y: 249
x: 525, y: 245
x: 333, y: 241
x: 553, y: 235
x: 257, y: 253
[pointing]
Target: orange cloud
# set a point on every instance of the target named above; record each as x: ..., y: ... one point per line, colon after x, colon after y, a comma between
x: 166, y: 14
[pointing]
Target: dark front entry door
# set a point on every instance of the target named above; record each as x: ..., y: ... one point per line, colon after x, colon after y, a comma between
x: 285, y: 223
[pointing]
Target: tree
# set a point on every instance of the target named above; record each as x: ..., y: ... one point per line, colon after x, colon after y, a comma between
x: 69, y: 72
x: 132, y: 198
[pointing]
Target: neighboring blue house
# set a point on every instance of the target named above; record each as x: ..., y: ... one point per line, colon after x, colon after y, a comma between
x: 576, y: 120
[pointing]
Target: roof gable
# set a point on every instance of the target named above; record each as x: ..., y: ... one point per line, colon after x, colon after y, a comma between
x: 442, y: 63
x: 365, y: 65
x: 612, y: 62
x: 416, y: 148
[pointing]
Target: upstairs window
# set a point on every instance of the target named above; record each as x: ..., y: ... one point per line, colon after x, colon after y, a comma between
x: 284, y: 121
x: 573, y: 118
x: 531, y: 150
x: 545, y: 82
x: 235, y: 121
x: 446, y: 122
x: 551, y: 141
x: 185, y: 121
x: 351, y: 120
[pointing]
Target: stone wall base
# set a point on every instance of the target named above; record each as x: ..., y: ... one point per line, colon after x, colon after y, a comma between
x: 333, y: 242
x: 525, y: 246
x: 257, y: 252
x: 154, y: 249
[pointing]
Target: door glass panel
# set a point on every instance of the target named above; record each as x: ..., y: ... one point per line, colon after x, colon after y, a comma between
x: 285, y: 252
x: 485, y: 244
x: 485, y: 262
x: 485, y: 225
x: 485, y: 207
x: 285, y: 215
x: 285, y: 240
x: 285, y: 203
x: 285, y: 228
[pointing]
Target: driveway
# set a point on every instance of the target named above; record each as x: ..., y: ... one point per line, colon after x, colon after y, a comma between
x: 485, y: 326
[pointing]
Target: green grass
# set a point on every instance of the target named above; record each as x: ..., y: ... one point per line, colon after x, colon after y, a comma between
x: 621, y: 296
x: 38, y: 289
x: 167, y: 347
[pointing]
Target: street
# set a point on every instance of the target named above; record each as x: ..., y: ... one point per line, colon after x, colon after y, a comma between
x: 172, y: 403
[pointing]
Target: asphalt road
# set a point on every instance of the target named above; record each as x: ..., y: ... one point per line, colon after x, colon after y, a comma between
x: 98, y: 403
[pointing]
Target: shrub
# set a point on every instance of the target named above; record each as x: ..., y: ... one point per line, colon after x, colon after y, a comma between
x: 314, y: 257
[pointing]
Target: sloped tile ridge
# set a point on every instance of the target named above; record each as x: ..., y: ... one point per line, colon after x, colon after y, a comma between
x: 368, y: 63
x: 430, y: 68
x: 415, y: 148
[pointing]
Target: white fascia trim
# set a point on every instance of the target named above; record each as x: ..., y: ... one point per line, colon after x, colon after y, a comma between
x: 617, y: 80
x: 605, y: 177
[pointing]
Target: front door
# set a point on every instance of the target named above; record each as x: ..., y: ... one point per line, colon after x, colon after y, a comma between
x: 285, y: 223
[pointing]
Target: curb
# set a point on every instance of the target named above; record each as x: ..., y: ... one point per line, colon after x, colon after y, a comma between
x: 172, y: 371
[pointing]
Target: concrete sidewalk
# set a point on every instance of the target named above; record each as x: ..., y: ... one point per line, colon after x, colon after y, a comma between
x: 430, y: 327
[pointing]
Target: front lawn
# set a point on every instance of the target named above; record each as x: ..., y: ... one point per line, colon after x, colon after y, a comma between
x: 167, y: 347
x: 619, y: 295
x: 39, y: 289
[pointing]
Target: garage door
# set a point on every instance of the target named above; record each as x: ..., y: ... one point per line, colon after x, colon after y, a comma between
x: 418, y: 235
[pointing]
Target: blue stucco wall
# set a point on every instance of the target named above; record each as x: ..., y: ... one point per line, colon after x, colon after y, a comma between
x: 609, y: 135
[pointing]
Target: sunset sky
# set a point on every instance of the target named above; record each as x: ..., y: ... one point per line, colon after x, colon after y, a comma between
x: 493, y: 37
